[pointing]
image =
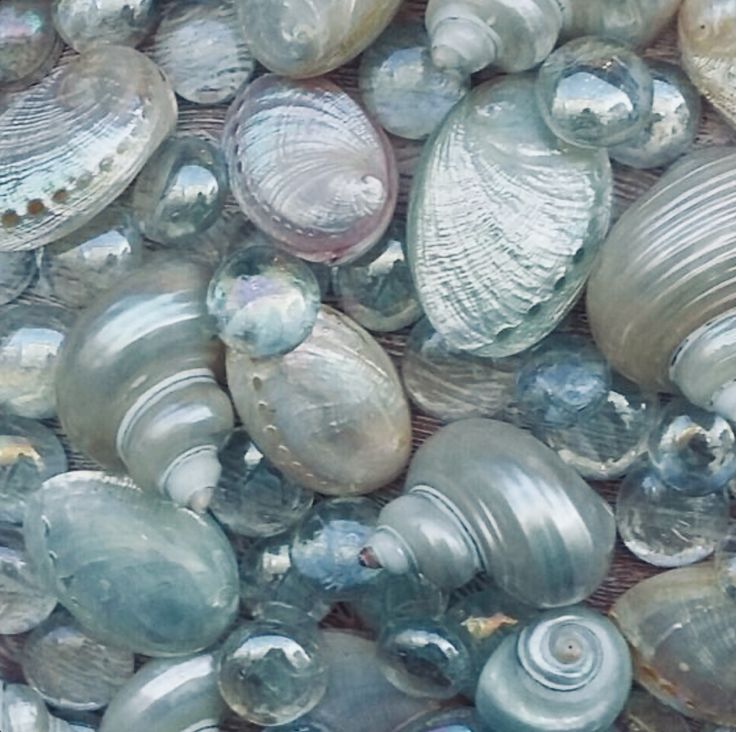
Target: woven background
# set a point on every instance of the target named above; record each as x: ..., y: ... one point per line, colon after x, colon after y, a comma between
x: 630, y: 184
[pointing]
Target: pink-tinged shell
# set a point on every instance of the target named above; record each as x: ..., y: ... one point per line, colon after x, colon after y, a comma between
x: 309, y: 167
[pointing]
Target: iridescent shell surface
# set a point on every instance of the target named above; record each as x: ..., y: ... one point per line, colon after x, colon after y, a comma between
x: 334, y: 395
x: 682, y: 629
x: 303, y: 38
x: 309, y: 168
x: 504, y: 222
x: 53, y: 180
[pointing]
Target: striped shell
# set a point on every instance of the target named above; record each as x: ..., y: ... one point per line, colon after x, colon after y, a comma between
x: 309, y: 168
x: 72, y: 144
x: 504, y: 222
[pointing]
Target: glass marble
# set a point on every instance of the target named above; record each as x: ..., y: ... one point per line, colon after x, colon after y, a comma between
x: 30, y: 340
x: 29, y: 454
x: 666, y: 527
x: 402, y: 88
x: 376, y: 290
x: 673, y: 125
x: 29, y: 45
x: 22, y: 710
x: 693, y: 450
x: 460, y: 719
x: 265, y: 301
x: 82, y: 23
x: 449, y: 384
x: 272, y: 673
x: 25, y: 601
x: 252, y: 498
x: 327, y: 544
x: 202, y: 50
x: 594, y: 92
x: 181, y: 191
x: 152, y: 577
x: 726, y: 561
x: 72, y: 670
x: 267, y: 575
x: 425, y: 657
x: 562, y: 381
x: 17, y: 269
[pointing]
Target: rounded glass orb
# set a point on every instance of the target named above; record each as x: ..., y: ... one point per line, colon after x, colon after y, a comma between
x: 252, y: 498
x: 666, y: 527
x: 562, y: 381
x: 16, y: 272
x: 425, y: 657
x: 594, y: 92
x: 402, y: 88
x: 726, y: 561
x: 181, y: 191
x: 693, y: 450
x: 265, y: 301
x: 272, y: 673
x: 461, y: 719
x: 328, y: 542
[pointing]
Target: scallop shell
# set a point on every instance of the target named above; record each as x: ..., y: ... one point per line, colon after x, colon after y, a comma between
x: 303, y: 38
x: 504, y: 222
x: 707, y: 30
x: 71, y: 144
x: 682, y: 629
x: 667, y: 267
x: 334, y: 395
x: 309, y: 168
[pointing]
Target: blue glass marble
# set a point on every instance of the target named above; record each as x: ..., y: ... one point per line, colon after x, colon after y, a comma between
x: 328, y: 542
x: 17, y: 269
x: 693, y: 450
x: 252, y: 498
x: 561, y: 381
x: 265, y: 301
x: 272, y: 673
x: 594, y: 92
x: 462, y: 719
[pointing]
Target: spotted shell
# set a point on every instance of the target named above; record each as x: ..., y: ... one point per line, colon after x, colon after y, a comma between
x: 71, y: 144
x: 504, y: 222
x: 309, y: 167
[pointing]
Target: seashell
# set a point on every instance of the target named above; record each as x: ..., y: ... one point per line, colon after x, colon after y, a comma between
x: 22, y: 709
x: 336, y: 394
x: 17, y: 269
x: 643, y: 713
x: 472, y: 34
x: 666, y: 270
x: 53, y: 180
x: 706, y: 31
x: 145, y: 562
x: 725, y: 561
x: 473, y: 502
x: 504, y: 222
x: 569, y: 671
x: 126, y: 403
x: 168, y: 695
x: 84, y: 23
x: 682, y: 630
x: 203, y: 52
x: 309, y: 168
x: 303, y: 38
x: 29, y: 45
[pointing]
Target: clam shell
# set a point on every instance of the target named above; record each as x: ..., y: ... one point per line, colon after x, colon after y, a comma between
x: 71, y: 144
x: 504, y: 221
x: 682, y: 629
x: 303, y: 38
x: 707, y: 30
x: 667, y: 267
x: 309, y: 168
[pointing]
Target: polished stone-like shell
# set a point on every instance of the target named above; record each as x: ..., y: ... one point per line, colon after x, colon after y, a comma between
x: 667, y: 267
x: 71, y: 144
x: 309, y: 168
x: 336, y: 394
x: 707, y: 31
x: 682, y: 629
x: 303, y: 38
x: 504, y: 222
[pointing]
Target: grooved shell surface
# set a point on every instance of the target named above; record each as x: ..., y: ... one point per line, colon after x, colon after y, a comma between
x: 309, y: 167
x: 667, y: 267
x: 71, y: 144
x: 504, y: 221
